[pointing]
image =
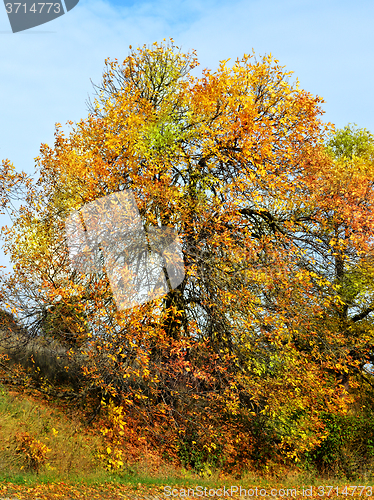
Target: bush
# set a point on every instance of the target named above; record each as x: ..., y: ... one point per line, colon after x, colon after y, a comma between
x: 33, y: 451
x: 348, y: 450
x: 45, y: 359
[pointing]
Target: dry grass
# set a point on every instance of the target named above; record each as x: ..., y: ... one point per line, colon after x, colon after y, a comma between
x: 72, y: 447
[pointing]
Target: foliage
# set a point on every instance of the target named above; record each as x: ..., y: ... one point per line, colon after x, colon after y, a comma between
x: 33, y: 451
x: 268, y: 335
x: 347, y: 451
x: 112, y: 455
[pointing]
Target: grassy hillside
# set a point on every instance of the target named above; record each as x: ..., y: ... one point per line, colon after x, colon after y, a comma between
x: 68, y: 468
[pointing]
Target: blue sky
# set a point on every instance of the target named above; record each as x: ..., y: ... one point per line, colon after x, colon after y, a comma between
x: 46, y: 71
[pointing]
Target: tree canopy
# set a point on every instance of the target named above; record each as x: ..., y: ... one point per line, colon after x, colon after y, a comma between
x: 273, y: 209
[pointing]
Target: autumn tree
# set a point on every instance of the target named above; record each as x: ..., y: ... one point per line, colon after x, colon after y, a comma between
x: 235, y: 163
x: 340, y: 234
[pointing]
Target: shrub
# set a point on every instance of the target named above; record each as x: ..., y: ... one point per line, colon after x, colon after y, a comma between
x: 33, y: 451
